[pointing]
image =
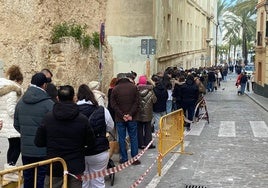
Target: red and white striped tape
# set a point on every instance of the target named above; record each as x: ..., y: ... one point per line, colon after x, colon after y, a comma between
x: 141, y: 178
x: 109, y: 171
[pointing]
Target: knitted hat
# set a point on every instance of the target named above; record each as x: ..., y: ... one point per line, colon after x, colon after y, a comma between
x: 142, y: 80
x: 94, y: 85
x: 39, y: 79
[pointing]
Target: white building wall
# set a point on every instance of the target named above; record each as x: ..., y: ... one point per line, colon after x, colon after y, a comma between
x: 180, y: 27
x: 127, y: 54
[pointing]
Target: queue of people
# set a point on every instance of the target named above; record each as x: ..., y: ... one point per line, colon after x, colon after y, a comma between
x: 55, y: 122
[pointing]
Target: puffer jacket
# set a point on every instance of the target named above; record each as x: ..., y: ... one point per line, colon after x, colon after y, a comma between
x: 10, y: 92
x: 147, y: 99
x: 98, y: 124
x: 29, y: 112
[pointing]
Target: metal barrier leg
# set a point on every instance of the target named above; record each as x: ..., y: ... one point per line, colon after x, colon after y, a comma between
x: 182, y: 150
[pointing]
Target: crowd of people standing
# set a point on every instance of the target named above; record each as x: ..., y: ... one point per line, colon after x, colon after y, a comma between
x: 52, y: 122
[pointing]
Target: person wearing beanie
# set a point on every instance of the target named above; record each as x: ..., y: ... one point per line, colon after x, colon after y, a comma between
x: 29, y: 112
x: 142, y: 80
x: 145, y: 114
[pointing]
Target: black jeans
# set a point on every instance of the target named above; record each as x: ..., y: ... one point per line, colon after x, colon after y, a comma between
x: 28, y: 174
x: 144, y: 133
x: 13, y: 151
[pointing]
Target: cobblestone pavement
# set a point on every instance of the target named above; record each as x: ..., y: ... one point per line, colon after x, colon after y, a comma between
x: 229, y: 152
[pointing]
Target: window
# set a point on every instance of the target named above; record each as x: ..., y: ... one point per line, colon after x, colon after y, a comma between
x: 259, y: 39
x: 259, y: 72
x: 266, y: 33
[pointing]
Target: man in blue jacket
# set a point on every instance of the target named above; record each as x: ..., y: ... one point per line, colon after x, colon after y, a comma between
x: 29, y: 112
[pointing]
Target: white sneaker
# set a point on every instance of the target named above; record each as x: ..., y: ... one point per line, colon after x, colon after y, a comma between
x: 11, y: 176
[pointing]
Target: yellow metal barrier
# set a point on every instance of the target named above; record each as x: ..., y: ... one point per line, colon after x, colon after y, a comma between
x: 171, y: 134
x: 34, y: 165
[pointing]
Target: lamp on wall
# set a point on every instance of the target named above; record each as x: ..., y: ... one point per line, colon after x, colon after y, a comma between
x: 266, y: 6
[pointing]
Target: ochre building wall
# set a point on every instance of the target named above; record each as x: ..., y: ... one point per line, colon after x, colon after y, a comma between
x: 25, y: 40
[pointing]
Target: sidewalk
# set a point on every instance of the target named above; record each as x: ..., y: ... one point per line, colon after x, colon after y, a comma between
x: 260, y: 100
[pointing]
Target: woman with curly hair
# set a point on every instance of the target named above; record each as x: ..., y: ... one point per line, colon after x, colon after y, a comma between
x: 10, y: 92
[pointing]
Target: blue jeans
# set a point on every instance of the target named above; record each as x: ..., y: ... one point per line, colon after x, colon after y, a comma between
x: 28, y: 174
x: 157, y: 116
x: 210, y: 86
x: 169, y: 106
x: 131, y: 128
x: 243, y: 87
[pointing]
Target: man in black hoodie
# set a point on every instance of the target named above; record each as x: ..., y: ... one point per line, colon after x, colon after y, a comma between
x: 65, y: 132
x: 159, y: 107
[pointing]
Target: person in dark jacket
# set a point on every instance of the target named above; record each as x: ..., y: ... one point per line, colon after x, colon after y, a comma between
x: 65, y: 132
x: 189, y: 96
x: 177, y: 91
x: 211, y: 80
x: 243, y: 82
x: 112, y: 85
x: 159, y: 107
x: 125, y: 102
x: 29, y: 112
x: 97, y: 156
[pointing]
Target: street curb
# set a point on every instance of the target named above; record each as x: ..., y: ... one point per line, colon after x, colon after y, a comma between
x: 257, y: 102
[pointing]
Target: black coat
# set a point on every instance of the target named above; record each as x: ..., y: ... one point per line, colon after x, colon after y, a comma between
x: 244, y: 79
x: 161, y: 94
x: 211, y: 76
x: 189, y: 93
x: 176, y: 94
x: 65, y: 132
x: 98, y: 124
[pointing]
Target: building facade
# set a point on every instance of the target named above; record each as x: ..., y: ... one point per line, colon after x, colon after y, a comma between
x: 185, y: 33
x: 261, y: 51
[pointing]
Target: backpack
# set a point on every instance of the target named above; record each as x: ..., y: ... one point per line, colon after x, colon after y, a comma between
x: 97, y: 122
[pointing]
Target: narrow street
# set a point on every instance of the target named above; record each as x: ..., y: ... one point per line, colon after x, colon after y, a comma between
x: 229, y: 152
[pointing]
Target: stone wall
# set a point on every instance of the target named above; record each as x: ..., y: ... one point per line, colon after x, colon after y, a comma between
x: 25, y: 40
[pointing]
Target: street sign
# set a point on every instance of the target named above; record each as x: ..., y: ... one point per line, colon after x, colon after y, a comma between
x: 148, y: 46
x: 102, y: 33
x: 152, y: 46
x: 144, y: 46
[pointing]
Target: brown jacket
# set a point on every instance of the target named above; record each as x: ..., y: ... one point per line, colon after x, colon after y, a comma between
x: 125, y: 100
